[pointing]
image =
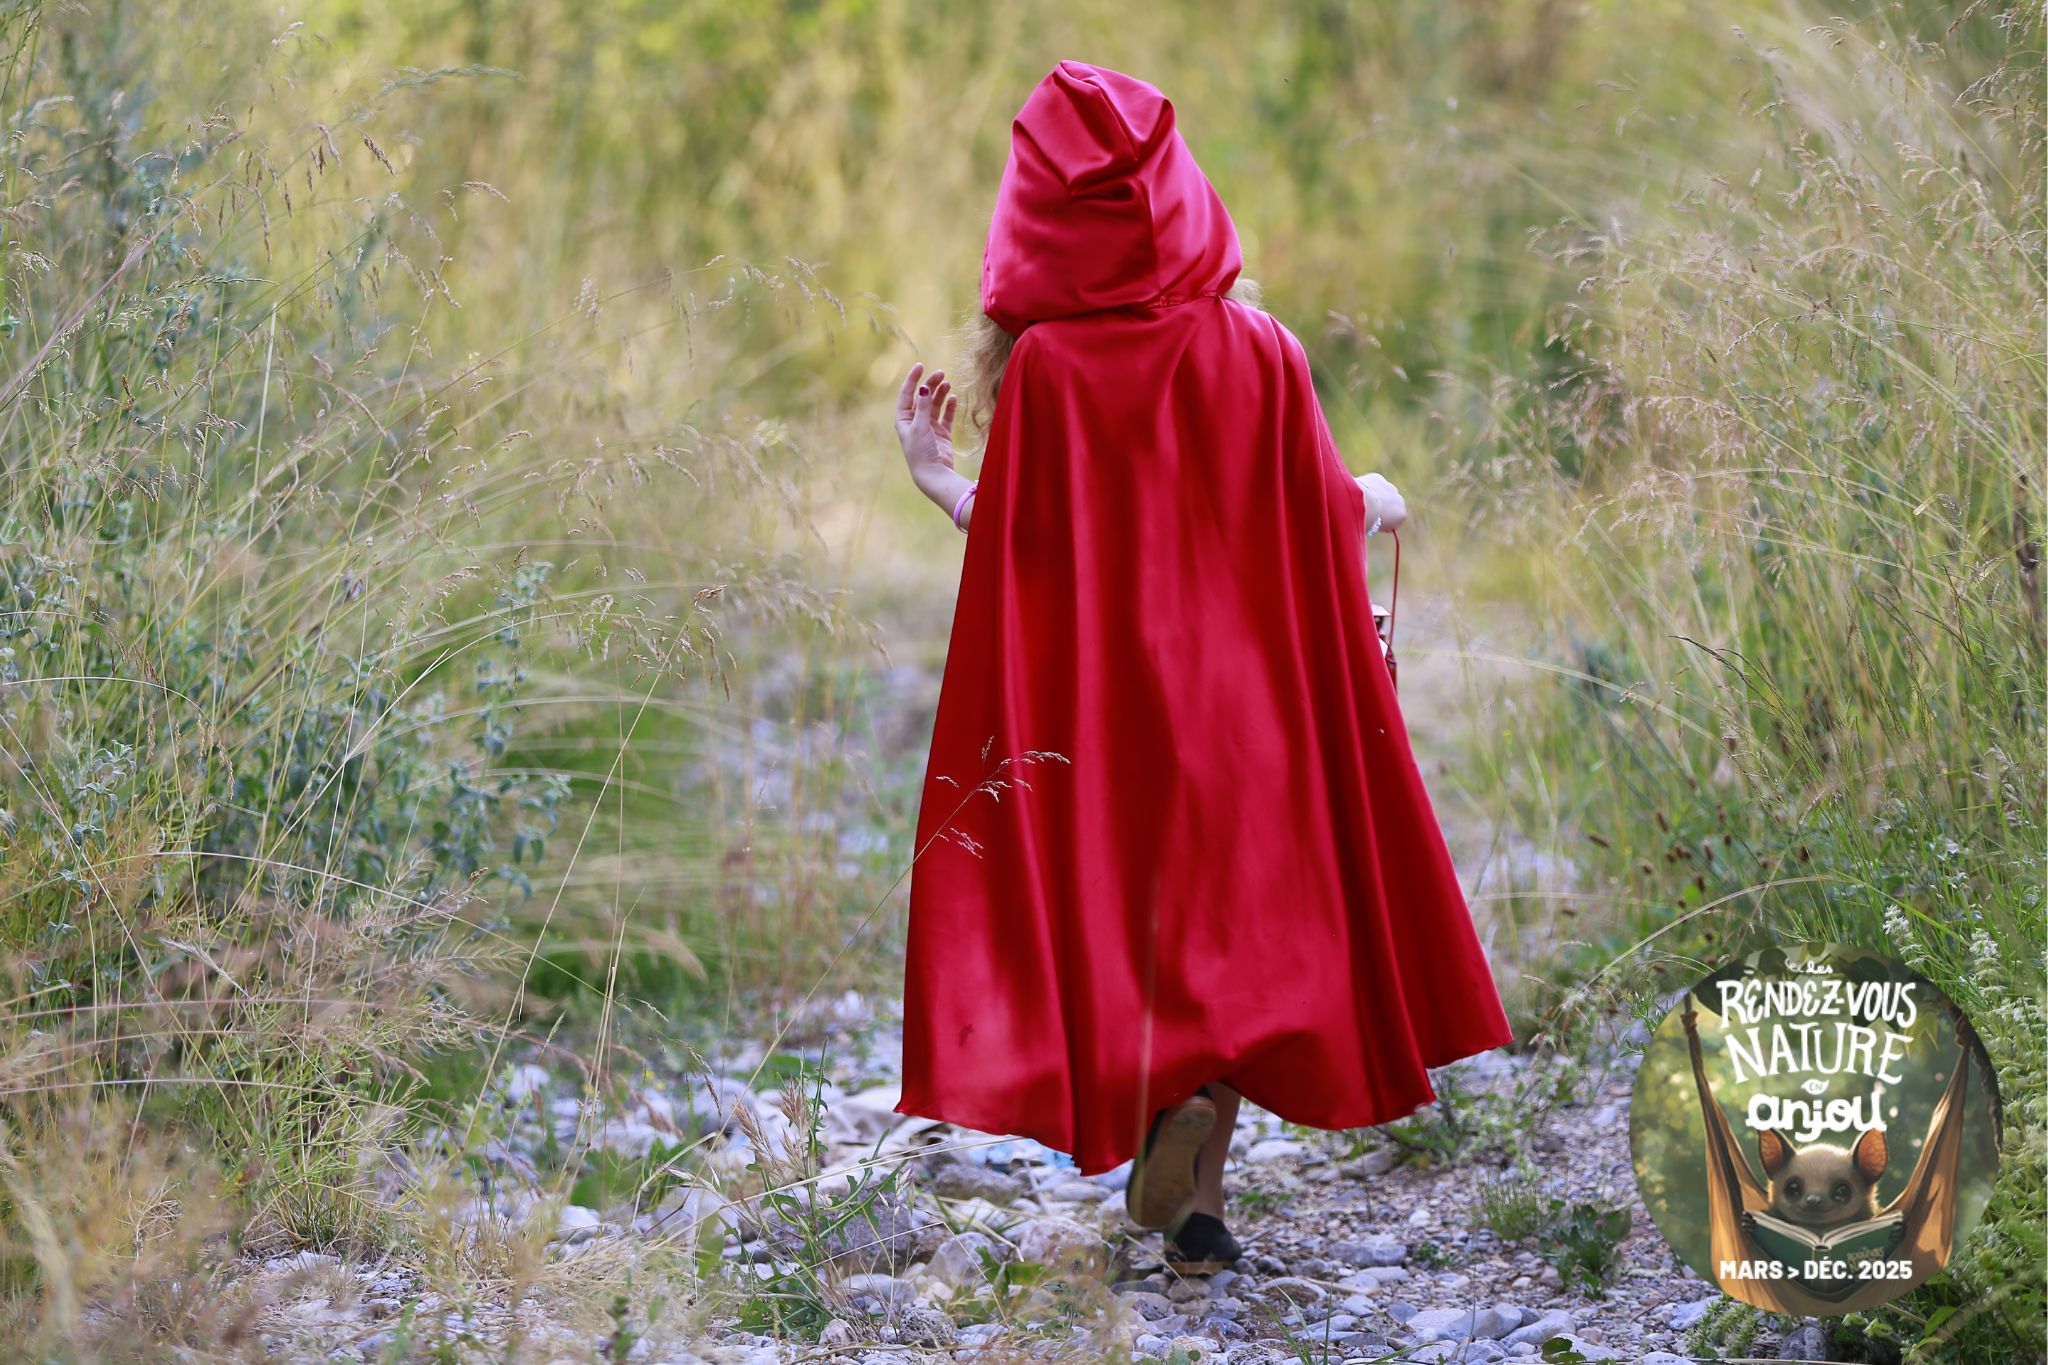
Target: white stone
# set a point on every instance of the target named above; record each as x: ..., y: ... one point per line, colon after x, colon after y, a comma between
x: 1152, y: 1307
x: 573, y: 1217
x: 1378, y: 1161
x: 1377, y: 1252
x: 1044, y: 1240
x: 1587, y: 1348
x: 1458, y: 1353
x: 1555, y: 1322
x: 1079, y: 1192
x: 885, y: 1287
x: 1433, y: 1324
x: 958, y: 1261
x: 525, y: 1081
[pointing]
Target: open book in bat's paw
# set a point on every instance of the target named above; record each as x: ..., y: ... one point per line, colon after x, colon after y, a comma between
x: 1800, y: 1248
x: 1794, y: 1244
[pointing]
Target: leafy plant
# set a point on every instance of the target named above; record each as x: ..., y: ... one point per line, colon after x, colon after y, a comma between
x: 1731, y: 1327
x: 1252, y: 1197
x: 1583, y: 1240
x: 1008, y: 1283
x: 1433, y: 1255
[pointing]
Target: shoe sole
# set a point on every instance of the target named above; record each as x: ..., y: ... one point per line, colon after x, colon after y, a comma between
x: 1163, y: 1183
x: 1180, y: 1267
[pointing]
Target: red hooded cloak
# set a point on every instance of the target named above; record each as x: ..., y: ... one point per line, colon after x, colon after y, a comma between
x: 1171, y: 828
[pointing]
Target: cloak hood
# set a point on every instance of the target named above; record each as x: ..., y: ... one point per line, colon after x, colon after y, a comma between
x: 1101, y: 206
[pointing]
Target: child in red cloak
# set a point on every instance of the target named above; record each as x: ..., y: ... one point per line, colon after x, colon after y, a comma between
x: 1173, y: 846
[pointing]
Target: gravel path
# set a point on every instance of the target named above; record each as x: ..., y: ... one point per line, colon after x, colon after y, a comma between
x: 1355, y: 1249
x: 896, y: 1239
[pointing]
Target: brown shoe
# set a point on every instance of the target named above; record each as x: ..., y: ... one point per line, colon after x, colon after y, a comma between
x: 1162, y: 1186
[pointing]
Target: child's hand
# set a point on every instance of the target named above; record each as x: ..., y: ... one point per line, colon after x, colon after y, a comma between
x: 924, y: 425
x: 1383, y: 500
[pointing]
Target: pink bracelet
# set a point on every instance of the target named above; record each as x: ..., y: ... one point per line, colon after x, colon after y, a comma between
x: 957, y: 506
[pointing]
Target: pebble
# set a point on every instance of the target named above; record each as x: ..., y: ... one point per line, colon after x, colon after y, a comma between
x: 1370, y: 1251
x: 1807, y: 1341
x: 922, y: 1325
x: 575, y: 1224
x: 1436, y: 1324
x: 303, y: 1261
x: 1326, y: 1261
x: 1150, y: 1306
x: 965, y: 1180
x: 1045, y: 1240
x: 1378, y: 1161
x: 1542, y: 1328
x: 958, y: 1261
x: 1080, y: 1191
x: 1463, y: 1352
x: 524, y: 1082
x: 886, y: 1288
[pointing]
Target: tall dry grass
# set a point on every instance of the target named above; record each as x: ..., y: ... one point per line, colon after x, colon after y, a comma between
x: 282, y: 583
x: 435, y: 592
x: 1783, y: 507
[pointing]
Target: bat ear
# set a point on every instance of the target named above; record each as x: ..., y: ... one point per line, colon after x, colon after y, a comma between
x: 1871, y: 1154
x: 1772, y: 1147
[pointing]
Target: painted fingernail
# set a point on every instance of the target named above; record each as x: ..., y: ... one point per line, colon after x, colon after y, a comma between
x: 923, y: 389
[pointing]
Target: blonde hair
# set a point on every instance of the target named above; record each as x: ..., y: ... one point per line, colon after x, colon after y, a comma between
x: 985, y: 349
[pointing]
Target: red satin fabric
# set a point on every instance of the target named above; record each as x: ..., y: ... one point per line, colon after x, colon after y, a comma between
x: 1171, y: 827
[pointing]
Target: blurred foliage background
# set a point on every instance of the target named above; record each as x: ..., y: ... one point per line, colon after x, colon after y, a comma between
x: 461, y: 590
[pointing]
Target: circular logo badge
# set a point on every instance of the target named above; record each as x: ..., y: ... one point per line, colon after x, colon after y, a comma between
x: 1815, y: 1129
